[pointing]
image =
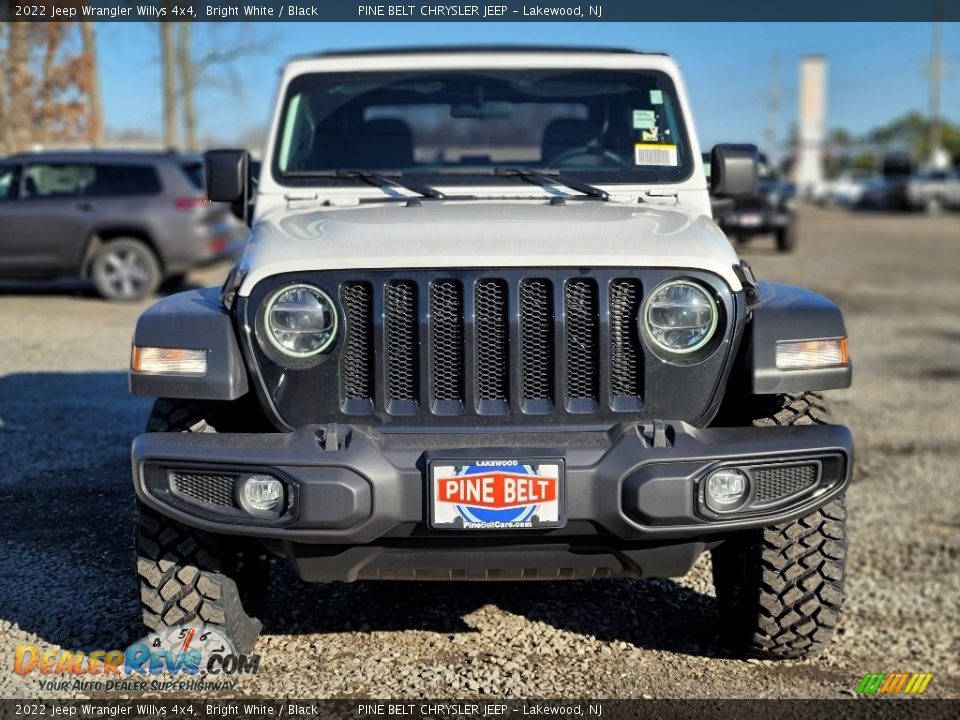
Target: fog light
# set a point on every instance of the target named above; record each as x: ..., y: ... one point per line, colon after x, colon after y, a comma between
x: 726, y: 489
x: 262, y: 492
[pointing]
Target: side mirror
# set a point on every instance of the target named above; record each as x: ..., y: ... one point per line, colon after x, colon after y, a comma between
x: 228, y: 177
x: 733, y: 170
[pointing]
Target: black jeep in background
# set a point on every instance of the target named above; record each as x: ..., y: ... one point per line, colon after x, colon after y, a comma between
x: 771, y: 211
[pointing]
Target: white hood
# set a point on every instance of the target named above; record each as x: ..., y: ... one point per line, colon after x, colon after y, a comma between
x: 486, y: 234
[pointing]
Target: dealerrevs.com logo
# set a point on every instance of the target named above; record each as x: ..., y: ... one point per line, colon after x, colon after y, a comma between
x: 168, y: 660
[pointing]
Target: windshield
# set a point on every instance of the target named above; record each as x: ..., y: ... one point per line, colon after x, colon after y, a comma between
x: 597, y: 125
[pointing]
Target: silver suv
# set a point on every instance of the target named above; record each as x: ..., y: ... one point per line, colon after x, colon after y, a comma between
x: 127, y: 221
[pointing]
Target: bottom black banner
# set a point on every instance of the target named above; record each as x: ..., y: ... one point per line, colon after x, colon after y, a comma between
x: 872, y: 709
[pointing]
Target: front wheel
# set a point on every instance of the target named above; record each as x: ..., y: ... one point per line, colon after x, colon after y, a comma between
x: 190, y: 577
x: 780, y: 589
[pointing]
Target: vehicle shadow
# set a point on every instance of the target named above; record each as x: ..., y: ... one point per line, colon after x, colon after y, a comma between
x: 632, y: 611
x: 67, y: 555
x: 67, y: 544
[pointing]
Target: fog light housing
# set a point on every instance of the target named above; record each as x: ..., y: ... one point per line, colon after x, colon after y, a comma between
x: 260, y: 494
x: 725, y: 489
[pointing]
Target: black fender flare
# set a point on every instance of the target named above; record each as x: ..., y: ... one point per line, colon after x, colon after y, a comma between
x: 192, y: 320
x: 786, y: 312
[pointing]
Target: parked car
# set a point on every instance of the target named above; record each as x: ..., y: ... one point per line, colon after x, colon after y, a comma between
x: 127, y: 221
x: 771, y: 211
x: 846, y: 189
x: 485, y: 331
x: 885, y: 193
x: 934, y: 190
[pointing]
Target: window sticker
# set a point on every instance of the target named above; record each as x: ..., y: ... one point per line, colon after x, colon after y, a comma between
x: 644, y: 119
x: 662, y: 155
x: 656, y: 97
x: 651, y: 135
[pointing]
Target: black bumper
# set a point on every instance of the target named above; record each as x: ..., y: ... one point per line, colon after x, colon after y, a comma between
x: 357, y: 499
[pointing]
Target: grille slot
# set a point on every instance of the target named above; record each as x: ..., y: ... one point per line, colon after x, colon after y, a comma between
x: 357, y: 363
x: 582, y: 345
x: 402, y: 339
x: 626, y: 355
x: 536, y: 345
x: 205, y: 489
x: 774, y: 483
x: 446, y: 339
x: 493, y: 345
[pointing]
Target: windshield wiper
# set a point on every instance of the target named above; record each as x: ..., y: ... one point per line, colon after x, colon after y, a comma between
x: 372, y: 178
x: 549, y: 178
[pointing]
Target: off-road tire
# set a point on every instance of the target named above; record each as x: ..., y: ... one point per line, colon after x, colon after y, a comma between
x: 787, y: 238
x: 780, y: 589
x: 190, y: 577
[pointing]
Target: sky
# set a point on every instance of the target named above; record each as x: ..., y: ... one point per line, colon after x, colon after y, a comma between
x: 876, y: 71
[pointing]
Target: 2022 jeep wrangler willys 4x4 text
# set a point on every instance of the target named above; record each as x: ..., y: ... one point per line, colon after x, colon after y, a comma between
x: 485, y: 329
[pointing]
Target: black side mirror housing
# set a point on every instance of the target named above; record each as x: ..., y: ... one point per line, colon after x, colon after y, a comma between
x: 228, y: 178
x: 733, y: 170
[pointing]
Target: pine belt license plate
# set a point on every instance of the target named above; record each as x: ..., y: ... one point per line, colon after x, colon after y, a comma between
x: 495, y: 494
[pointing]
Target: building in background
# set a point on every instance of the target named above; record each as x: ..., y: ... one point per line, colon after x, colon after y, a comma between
x: 811, y: 123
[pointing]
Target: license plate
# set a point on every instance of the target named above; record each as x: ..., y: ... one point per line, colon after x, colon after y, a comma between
x: 493, y: 494
x: 751, y: 220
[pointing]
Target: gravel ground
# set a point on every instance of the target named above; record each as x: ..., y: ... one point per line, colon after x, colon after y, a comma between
x: 67, y: 574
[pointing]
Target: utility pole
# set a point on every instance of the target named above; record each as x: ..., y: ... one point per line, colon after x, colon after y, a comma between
x: 773, y: 108
x: 936, y: 80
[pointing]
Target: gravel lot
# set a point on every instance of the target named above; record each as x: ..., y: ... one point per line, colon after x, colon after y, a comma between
x: 67, y: 572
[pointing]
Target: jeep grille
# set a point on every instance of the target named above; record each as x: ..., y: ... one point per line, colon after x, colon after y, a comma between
x: 462, y: 356
x: 488, y: 348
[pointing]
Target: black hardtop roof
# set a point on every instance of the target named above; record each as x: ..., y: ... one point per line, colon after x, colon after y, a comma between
x: 463, y: 49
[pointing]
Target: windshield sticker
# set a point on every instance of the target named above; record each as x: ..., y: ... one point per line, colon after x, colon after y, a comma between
x: 651, y: 135
x: 656, y: 97
x: 644, y: 119
x: 662, y: 155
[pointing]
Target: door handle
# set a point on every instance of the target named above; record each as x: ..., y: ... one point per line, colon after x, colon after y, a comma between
x: 85, y: 206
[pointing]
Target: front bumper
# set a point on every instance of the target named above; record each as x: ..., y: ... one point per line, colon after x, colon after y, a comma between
x: 629, y: 489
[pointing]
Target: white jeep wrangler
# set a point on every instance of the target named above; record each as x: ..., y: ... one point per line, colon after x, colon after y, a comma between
x: 486, y: 329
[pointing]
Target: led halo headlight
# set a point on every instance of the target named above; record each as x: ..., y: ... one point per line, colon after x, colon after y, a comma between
x: 301, y: 320
x: 679, y: 317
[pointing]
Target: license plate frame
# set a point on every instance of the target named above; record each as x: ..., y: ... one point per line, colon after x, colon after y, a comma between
x: 471, y: 473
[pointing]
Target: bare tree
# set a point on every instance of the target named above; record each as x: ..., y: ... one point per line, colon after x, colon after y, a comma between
x: 94, y: 96
x: 185, y: 66
x: 48, y: 81
x: 214, y: 69
x: 170, y: 135
x: 21, y: 82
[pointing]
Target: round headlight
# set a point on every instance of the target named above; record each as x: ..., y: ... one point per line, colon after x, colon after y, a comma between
x: 680, y: 316
x: 301, y: 320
